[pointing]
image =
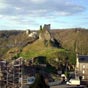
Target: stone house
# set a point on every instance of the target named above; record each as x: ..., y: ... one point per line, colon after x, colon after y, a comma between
x: 82, y: 66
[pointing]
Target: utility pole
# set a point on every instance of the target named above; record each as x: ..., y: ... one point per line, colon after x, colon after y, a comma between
x: 21, y: 73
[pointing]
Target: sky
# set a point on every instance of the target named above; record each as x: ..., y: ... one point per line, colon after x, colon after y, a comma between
x: 30, y: 14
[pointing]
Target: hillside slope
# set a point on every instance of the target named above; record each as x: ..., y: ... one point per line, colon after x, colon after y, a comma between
x: 38, y: 48
x: 76, y: 39
x: 71, y: 39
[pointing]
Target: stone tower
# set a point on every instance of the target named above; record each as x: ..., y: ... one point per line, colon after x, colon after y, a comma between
x: 45, y: 33
x: 46, y: 27
x: 46, y: 36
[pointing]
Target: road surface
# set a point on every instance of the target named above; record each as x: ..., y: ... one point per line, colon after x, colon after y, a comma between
x: 67, y: 86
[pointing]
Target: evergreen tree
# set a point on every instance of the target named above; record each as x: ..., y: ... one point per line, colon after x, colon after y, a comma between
x: 39, y: 82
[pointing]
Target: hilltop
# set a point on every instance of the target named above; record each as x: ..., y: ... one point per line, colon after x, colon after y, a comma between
x: 15, y: 42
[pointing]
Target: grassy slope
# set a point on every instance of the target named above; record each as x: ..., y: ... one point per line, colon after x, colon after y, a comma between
x: 66, y: 37
x: 39, y: 49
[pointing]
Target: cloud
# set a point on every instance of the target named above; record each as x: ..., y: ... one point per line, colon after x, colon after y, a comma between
x: 38, y: 1
x: 27, y: 7
x: 25, y: 12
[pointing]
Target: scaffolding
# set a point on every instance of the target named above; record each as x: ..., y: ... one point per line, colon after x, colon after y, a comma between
x: 10, y: 75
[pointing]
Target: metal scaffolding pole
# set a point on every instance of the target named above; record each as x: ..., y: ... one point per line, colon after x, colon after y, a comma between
x: 21, y: 73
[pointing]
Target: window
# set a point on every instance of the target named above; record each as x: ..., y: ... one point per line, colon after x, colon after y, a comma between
x: 83, y: 66
x: 83, y: 77
x: 83, y: 71
x: 82, y: 58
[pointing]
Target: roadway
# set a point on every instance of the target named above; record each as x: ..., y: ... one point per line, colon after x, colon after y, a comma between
x: 67, y: 86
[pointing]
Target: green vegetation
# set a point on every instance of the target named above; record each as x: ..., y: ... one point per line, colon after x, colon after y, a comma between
x: 39, y: 82
x: 54, y: 56
x: 72, y: 39
x: 39, y: 49
x: 57, y: 53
